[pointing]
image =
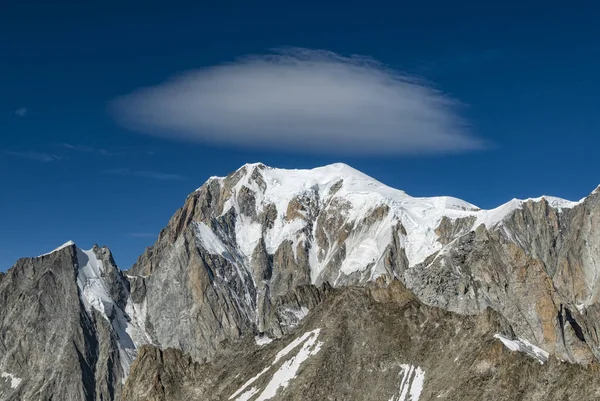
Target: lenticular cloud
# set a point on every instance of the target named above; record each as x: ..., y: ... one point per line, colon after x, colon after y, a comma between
x: 303, y: 100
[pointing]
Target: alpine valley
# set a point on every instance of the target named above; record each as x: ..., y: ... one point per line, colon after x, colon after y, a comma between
x: 322, y: 284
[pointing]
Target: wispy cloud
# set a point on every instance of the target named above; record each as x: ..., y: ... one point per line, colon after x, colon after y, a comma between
x: 22, y: 112
x: 36, y: 156
x: 302, y: 99
x: 155, y: 175
x: 85, y: 149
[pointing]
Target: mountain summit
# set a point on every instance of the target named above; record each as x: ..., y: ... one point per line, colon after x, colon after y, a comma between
x: 286, y: 284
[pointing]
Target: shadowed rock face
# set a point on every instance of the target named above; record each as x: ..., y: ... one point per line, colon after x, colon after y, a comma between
x: 376, y: 286
x: 51, y: 347
x: 373, y: 343
x: 240, y: 243
x: 538, y: 270
x: 218, y: 270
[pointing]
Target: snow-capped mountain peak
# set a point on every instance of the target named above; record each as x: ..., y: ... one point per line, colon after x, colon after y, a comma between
x: 65, y: 245
x: 340, y: 216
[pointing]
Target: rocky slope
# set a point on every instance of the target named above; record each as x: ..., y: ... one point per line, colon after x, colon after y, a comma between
x: 373, y: 343
x: 240, y: 244
x: 264, y: 256
x: 65, y: 331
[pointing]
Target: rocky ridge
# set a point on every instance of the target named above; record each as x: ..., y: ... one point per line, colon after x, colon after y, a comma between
x: 64, y: 330
x: 251, y: 257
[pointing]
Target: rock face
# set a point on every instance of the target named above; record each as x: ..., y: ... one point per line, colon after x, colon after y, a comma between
x: 243, y: 242
x: 64, y: 332
x: 537, y: 267
x: 368, y: 282
x: 373, y: 343
x: 228, y: 258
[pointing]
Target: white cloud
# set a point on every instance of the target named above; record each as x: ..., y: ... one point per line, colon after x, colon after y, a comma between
x: 301, y: 99
x: 22, y: 112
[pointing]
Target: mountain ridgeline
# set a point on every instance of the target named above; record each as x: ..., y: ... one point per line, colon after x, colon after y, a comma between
x: 273, y: 284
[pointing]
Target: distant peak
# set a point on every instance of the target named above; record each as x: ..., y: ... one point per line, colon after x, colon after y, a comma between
x: 65, y: 245
x: 250, y: 167
x: 339, y: 166
x: 256, y: 164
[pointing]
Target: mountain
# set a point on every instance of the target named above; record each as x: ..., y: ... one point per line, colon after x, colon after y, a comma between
x: 307, y: 284
x: 64, y: 332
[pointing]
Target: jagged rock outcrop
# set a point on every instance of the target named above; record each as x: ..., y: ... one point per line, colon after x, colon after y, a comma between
x: 243, y: 241
x: 51, y: 348
x: 537, y: 267
x: 255, y: 259
x: 373, y: 343
x: 67, y: 327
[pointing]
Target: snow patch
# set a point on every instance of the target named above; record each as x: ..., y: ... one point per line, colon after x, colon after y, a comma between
x: 129, y: 325
x: 558, y: 203
x: 367, y: 245
x: 14, y: 380
x: 249, y: 383
x: 282, y: 231
x: 66, y: 244
x: 247, y: 395
x: 491, y: 218
x: 262, y: 340
x: 411, y: 385
x: 210, y: 241
x: 521, y: 345
x: 289, y: 369
x: 92, y: 285
x: 290, y: 347
x: 286, y: 372
x: 247, y: 235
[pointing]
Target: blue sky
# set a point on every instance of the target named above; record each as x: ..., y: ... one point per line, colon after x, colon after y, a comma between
x: 517, y: 85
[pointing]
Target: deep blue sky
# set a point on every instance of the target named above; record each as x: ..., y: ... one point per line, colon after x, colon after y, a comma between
x: 526, y: 73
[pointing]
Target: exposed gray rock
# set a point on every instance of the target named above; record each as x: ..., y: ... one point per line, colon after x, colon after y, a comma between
x: 51, y: 347
x: 266, y: 254
x: 373, y: 343
x: 527, y: 264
